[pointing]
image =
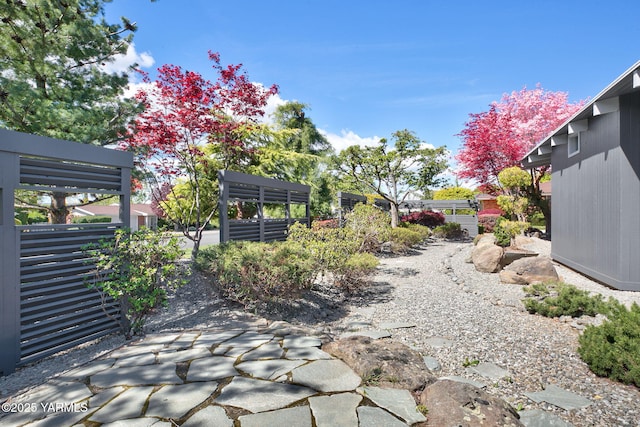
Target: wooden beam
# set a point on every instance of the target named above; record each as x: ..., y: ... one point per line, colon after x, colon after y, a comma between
x: 558, y: 140
x: 605, y: 106
x: 578, y: 126
x: 544, y: 149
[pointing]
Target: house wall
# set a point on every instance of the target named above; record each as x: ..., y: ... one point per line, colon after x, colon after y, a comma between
x: 489, y: 204
x: 630, y: 190
x: 597, y: 199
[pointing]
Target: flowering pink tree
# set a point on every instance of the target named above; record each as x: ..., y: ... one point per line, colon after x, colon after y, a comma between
x: 190, y: 127
x: 499, y: 138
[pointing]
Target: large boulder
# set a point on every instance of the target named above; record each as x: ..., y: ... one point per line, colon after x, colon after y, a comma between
x: 525, y: 271
x: 389, y: 364
x: 453, y: 403
x: 486, y: 256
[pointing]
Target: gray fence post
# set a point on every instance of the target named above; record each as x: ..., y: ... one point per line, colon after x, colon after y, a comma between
x: 9, y: 264
x: 223, y: 213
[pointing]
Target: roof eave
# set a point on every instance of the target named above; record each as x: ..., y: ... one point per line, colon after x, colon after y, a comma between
x: 584, y: 112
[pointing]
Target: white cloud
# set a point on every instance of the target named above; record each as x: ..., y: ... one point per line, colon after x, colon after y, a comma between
x: 121, y: 63
x: 348, y: 138
x: 133, y: 88
x: 273, y: 103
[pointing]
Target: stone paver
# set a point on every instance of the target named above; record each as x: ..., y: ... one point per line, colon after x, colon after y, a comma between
x: 174, y: 401
x: 326, y: 376
x: 280, y: 377
x: 209, y: 339
x: 539, y: 418
x: 259, y: 395
x: 183, y: 355
x: 270, y: 350
x: 300, y: 416
x: 128, y: 404
x: 211, y: 368
x: 432, y: 363
x: 490, y: 370
x: 337, y: 410
x: 209, y: 416
x: 439, y: 342
x: 135, y: 375
x: 87, y: 370
x: 375, y: 417
x: 139, y: 422
x: 292, y: 341
x: 399, y: 402
x: 269, y: 369
x: 307, y: 353
x: 103, y: 397
x: 559, y: 397
x: 136, y: 360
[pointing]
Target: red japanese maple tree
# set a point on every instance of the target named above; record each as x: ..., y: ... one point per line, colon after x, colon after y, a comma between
x: 499, y: 138
x: 184, y: 115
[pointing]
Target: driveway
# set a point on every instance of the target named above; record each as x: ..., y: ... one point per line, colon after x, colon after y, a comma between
x: 209, y: 237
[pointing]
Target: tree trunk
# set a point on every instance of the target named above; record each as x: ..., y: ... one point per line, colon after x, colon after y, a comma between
x: 58, y: 210
x: 545, y: 207
x: 196, y: 243
x: 394, y: 215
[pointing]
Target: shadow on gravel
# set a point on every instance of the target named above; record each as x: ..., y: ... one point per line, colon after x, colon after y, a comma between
x: 400, y: 271
x: 325, y: 303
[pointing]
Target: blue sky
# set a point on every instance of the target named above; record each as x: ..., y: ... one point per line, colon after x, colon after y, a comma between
x: 369, y: 68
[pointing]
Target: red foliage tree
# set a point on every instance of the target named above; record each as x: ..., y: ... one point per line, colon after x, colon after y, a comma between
x: 183, y: 113
x: 499, y: 138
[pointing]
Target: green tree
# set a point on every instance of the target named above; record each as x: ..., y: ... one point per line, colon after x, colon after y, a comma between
x: 515, y: 181
x: 52, y: 54
x: 309, y: 166
x: 454, y: 193
x: 53, y: 81
x: 392, y: 171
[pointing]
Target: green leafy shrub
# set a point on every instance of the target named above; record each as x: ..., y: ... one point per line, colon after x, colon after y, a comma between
x: 136, y: 269
x: 428, y: 218
x: 424, y: 231
x: 252, y: 271
x: 371, y: 227
x: 335, y: 252
x: 488, y: 221
x: 450, y: 230
x: 91, y: 219
x: 613, y: 349
x: 402, y: 239
x: 505, y: 230
x: 555, y: 299
x: 537, y: 220
x: 356, y: 267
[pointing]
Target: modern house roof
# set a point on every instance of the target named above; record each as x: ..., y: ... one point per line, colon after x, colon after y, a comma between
x: 605, y: 102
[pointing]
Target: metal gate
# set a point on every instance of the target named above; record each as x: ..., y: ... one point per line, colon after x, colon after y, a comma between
x: 451, y: 208
x: 45, y: 304
x: 260, y: 193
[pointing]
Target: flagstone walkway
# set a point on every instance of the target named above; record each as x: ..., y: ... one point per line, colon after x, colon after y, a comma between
x: 257, y: 376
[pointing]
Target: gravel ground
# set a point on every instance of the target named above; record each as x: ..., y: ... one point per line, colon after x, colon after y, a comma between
x: 446, y: 297
x: 438, y: 290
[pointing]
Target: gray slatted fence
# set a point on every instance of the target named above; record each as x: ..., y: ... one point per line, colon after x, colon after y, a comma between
x: 260, y: 193
x: 451, y: 208
x: 45, y: 304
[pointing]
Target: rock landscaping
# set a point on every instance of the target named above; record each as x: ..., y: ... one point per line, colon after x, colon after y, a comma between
x: 430, y: 342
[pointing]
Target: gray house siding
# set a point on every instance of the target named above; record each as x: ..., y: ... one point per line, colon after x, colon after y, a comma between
x: 630, y: 189
x: 596, y: 193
